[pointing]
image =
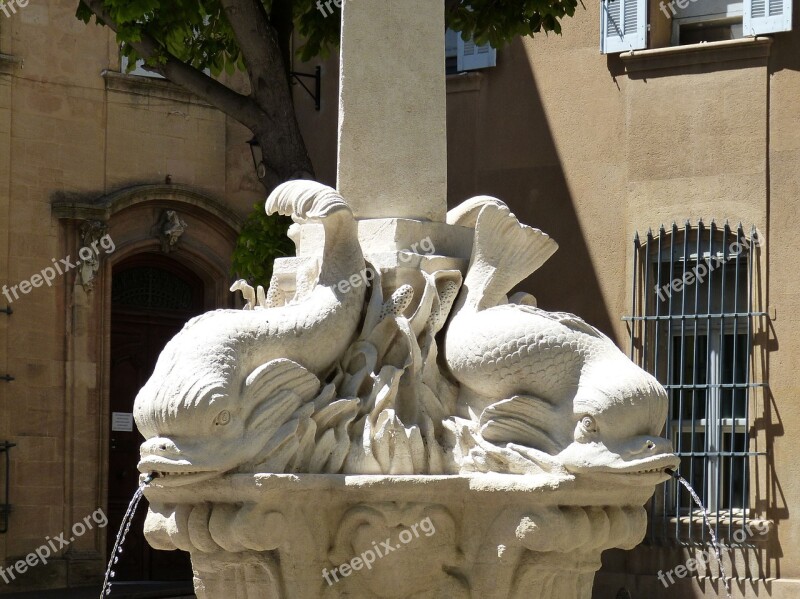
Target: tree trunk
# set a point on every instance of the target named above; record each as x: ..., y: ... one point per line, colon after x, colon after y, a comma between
x: 284, y: 151
x: 265, y: 41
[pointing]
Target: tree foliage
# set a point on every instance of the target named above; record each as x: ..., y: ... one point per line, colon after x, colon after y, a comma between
x: 494, y: 21
x: 198, y: 32
x: 181, y: 39
x: 263, y: 238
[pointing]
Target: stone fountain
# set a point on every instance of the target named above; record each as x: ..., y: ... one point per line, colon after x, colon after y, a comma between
x: 387, y: 419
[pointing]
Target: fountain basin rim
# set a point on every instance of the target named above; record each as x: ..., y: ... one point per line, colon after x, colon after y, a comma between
x: 542, y: 489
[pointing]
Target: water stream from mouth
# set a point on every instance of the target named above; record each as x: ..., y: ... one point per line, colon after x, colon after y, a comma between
x: 124, y: 527
x: 714, y: 541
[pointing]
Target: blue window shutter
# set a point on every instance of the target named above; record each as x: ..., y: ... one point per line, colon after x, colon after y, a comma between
x: 623, y: 25
x: 451, y: 43
x: 472, y: 56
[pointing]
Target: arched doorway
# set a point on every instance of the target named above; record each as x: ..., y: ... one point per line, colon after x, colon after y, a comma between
x: 152, y: 297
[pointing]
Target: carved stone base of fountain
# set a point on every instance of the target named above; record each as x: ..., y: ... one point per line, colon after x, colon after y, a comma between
x: 485, y: 535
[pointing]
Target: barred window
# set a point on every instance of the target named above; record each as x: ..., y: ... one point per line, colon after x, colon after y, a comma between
x: 692, y: 324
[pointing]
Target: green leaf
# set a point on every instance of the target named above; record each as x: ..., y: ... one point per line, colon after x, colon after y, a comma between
x: 197, y: 32
x: 262, y: 239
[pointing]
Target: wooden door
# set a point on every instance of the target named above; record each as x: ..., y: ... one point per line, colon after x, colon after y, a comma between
x: 152, y: 298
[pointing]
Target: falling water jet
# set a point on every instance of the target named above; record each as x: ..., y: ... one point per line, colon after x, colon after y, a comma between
x: 714, y: 541
x: 124, y: 527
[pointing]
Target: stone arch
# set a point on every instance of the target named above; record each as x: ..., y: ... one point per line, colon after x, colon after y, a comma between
x: 133, y: 216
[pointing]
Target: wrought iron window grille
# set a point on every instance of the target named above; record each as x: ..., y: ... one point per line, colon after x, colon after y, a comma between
x: 692, y: 324
x: 5, y: 507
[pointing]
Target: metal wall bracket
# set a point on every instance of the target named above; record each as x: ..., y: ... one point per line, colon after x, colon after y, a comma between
x: 317, y: 77
x: 7, y: 378
x: 5, y: 507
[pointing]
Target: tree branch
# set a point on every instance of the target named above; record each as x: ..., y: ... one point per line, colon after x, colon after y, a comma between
x: 268, y: 111
x: 269, y: 83
x: 238, y: 106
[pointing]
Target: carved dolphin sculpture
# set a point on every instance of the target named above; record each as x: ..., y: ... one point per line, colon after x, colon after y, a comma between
x: 549, y: 388
x: 231, y: 378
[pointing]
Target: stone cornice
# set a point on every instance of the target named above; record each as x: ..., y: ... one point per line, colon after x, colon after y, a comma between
x: 149, y: 86
x: 104, y: 207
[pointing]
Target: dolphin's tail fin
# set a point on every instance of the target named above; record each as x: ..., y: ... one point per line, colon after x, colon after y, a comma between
x: 504, y: 253
x: 306, y: 201
x: 466, y: 213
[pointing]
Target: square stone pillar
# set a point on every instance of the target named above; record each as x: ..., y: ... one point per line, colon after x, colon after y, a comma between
x: 392, y: 109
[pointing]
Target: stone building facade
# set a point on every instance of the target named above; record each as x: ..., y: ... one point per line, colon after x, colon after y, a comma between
x: 592, y: 148
x: 89, y: 154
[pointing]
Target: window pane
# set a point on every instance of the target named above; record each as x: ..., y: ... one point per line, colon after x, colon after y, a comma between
x: 693, y: 469
x: 689, y: 361
x: 734, y: 470
x: 734, y: 374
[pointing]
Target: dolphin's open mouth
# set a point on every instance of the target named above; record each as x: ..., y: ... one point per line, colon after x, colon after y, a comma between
x: 645, y: 471
x: 174, y: 473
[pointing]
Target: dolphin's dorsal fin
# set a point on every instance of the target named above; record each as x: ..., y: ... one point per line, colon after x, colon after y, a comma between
x: 279, y: 374
x: 276, y: 389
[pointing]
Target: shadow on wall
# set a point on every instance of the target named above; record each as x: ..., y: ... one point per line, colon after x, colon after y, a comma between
x: 500, y: 113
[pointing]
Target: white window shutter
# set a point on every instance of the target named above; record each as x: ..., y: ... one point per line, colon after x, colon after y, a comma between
x: 766, y: 16
x: 472, y: 56
x: 623, y: 25
x: 139, y: 69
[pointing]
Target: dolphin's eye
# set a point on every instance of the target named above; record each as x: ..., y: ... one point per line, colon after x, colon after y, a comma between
x: 588, y: 424
x: 223, y: 418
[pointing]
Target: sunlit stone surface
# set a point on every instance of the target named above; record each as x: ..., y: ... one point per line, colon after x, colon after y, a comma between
x: 388, y: 419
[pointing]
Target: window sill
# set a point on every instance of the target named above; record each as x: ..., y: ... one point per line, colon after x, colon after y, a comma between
x: 681, y: 529
x: 696, y: 54
x: 464, y: 82
x: 148, y: 86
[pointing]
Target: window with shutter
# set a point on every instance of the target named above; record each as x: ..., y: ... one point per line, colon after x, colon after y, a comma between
x: 767, y: 16
x: 466, y: 56
x: 471, y: 56
x: 623, y: 25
